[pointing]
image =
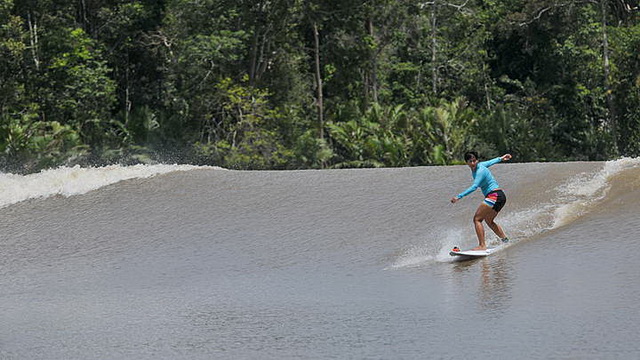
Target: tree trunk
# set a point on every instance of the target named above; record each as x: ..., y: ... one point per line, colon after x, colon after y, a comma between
x: 374, y: 65
x: 254, y: 57
x: 316, y: 37
x: 486, y: 86
x: 434, y: 67
x: 82, y: 16
x: 607, y: 71
x: 33, y: 39
x: 127, y: 99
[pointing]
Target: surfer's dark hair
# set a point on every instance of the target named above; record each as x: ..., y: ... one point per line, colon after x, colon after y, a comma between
x: 470, y: 154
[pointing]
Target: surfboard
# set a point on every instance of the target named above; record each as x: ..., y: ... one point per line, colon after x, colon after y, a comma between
x: 473, y: 253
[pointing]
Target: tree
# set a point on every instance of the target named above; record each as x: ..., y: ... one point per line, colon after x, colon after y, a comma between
x: 626, y: 85
x: 13, y: 48
x: 81, y: 92
x: 196, y: 52
x: 251, y: 141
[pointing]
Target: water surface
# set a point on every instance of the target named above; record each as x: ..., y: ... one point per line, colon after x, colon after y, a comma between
x: 202, y: 263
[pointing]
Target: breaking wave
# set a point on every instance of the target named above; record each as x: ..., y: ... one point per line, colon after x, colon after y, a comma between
x: 68, y: 181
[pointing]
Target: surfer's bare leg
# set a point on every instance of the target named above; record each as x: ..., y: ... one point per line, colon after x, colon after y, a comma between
x: 487, y: 214
x: 494, y: 226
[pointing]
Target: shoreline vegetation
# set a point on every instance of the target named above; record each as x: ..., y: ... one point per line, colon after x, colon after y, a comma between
x: 291, y: 84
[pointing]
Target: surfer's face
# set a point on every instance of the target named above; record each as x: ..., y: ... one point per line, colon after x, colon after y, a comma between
x: 472, y: 162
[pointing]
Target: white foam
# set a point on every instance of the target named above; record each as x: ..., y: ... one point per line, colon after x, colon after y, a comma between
x: 68, y: 181
x: 584, y: 191
x: 423, y: 254
x: 414, y: 257
x: 571, y: 200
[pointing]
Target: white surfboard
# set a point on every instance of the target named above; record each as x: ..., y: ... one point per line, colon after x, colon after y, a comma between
x: 474, y: 253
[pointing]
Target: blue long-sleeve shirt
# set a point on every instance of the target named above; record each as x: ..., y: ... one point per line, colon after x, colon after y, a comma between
x: 482, y: 178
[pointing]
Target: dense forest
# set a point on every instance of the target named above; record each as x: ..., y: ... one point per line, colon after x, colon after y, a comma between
x: 289, y: 84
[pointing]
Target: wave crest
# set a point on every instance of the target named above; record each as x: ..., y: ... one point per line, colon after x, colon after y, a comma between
x: 68, y: 181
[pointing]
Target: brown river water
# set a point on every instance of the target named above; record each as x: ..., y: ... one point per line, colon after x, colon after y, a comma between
x: 181, y: 262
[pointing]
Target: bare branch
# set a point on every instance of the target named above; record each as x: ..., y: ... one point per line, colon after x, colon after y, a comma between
x: 456, y: 6
x: 537, y: 17
x: 554, y: 6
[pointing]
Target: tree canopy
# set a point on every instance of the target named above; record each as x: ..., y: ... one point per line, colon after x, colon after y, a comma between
x: 288, y: 84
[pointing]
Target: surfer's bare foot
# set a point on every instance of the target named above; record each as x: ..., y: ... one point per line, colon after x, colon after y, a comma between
x: 480, y: 248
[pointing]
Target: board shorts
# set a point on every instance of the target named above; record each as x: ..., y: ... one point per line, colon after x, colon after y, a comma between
x: 496, y: 200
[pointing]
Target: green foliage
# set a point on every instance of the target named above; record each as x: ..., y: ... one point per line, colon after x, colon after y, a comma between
x: 510, y: 128
x: 81, y: 92
x: 312, y: 152
x: 626, y: 86
x: 245, y: 133
x: 374, y: 139
x: 449, y: 130
x: 27, y: 144
x: 394, y: 136
x: 233, y: 83
x: 12, y: 51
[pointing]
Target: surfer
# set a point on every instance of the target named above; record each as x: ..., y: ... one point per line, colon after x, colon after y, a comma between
x: 494, y: 197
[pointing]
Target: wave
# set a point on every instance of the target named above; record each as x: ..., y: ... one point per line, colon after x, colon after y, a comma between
x: 68, y: 181
x: 583, y: 192
x: 568, y: 202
